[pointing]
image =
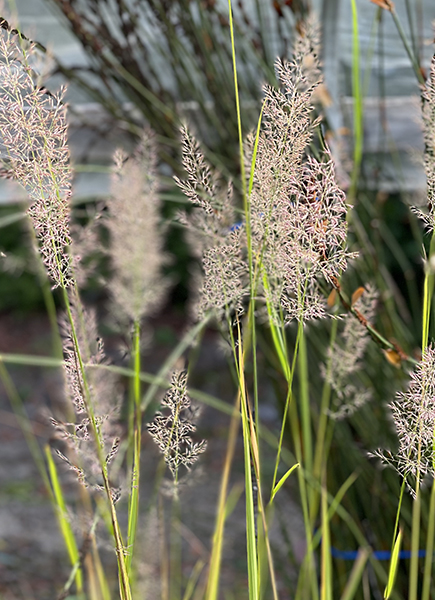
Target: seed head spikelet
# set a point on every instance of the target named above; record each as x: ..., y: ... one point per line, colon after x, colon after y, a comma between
x: 213, y: 234
x: 136, y: 245
x: 172, y: 431
x: 428, y: 114
x: 101, y: 392
x: 414, y: 419
x: 34, y: 149
x: 345, y: 358
x: 298, y: 212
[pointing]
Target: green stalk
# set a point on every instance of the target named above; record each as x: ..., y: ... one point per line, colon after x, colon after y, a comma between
x: 287, y: 404
x: 175, y: 570
x: 411, y: 28
x: 64, y: 524
x: 304, y: 398
x: 217, y: 544
x: 427, y: 304
x: 415, y: 538
x: 412, y: 58
x: 133, y: 508
x: 239, y: 115
x: 326, y: 566
x: 322, y: 449
x: 357, y: 103
x: 428, y: 294
x: 427, y: 574
x: 124, y: 583
x: 307, y: 573
x: 250, y: 512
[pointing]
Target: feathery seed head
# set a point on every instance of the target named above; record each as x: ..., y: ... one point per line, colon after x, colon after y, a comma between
x: 297, y: 212
x: 171, y: 431
x: 93, y: 402
x: 34, y: 150
x: 414, y: 419
x: 428, y: 114
x: 345, y: 358
x: 213, y: 234
x: 136, y: 246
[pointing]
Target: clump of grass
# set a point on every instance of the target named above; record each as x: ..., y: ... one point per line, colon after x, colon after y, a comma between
x: 266, y: 267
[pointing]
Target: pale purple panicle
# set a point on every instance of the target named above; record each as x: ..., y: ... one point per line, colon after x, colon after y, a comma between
x: 34, y: 151
x: 428, y: 114
x: 414, y: 419
x: 213, y: 233
x: 297, y: 211
x: 99, y: 390
x: 346, y: 356
x: 136, y: 241
x: 172, y: 431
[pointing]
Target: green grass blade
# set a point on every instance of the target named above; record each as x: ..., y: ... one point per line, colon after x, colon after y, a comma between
x: 233, y: 498
x: 357, y: 101
x: 31, y: 360
x: 158, y: 381
x: 25, y: 425
x: 326, y: 566
x: 250, y: 511
x: 32, y: 443
x: 64, y: 524
x: 135, y: 422
x: 10, y: 219
x: 394, y: 564
x: 355, y: 575
x: 223, y: 509
x: 282, y: 481
x: 427, y: 575
x: 335, y: 504
x: 193, y: 579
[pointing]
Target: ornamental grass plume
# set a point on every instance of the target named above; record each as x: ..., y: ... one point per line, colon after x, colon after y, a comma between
x: 34, y: 152
x: 136, y: 242
x: 172, y: 431
x: 414, y: 419
x: 428, y: 114
x: 79, y: 436
x: 297, y: 213
x: 213, y: 234
x: 346, y: 355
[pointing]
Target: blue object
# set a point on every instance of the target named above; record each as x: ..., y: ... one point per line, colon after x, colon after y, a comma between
x: 378, y: 554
